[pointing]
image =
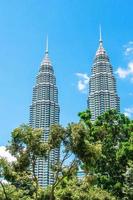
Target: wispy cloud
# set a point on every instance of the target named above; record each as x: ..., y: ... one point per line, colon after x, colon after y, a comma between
x: 125, y: 72
x: 128, y: 112
x: 83, y: 81
x: 5, y: 154
x: 128, y: 49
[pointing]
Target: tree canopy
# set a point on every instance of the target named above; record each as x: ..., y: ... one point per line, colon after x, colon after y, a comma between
x: 102, y: 150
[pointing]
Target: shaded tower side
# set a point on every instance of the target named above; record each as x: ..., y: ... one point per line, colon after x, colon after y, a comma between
x: 44, y: 112
x: 102, y: 85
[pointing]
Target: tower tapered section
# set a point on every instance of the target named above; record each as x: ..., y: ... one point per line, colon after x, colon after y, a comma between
x: 44, y: 112
x: 102, y: 85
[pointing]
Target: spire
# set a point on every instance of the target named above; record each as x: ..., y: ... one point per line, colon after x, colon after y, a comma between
x: 46, y: 51
x: 101, y: 49
x: 46, y: 59
x: 100, y: 40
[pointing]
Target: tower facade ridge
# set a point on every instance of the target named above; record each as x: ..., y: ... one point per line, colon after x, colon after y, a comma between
x: 44, y: 112
x: 102, y: 84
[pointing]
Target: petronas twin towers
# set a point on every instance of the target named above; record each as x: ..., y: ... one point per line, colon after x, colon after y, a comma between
x: 102, y: 85
x: 44, y: 110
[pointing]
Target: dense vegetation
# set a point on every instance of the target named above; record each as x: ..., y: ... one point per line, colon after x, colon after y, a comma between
x: 102, y: 149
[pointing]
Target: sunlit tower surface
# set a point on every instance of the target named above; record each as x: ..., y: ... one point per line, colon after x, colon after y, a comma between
x: 44, y: 112
x: 102, y: 84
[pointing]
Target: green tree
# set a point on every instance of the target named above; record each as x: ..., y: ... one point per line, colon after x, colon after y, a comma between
x: 114, y: 132
x: 77, y: 141
x: 103, y: 149
x: 81, y: 189
x: 67, y: 166
x: 25, y: 146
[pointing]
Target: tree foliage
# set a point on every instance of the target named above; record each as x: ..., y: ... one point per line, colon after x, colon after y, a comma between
x: 102, y: 149
x: 114, y: 131
x: 25, y: 146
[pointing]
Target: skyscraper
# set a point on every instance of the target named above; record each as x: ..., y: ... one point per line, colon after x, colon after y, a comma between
x: 44, y: 112
x: 102, y: 85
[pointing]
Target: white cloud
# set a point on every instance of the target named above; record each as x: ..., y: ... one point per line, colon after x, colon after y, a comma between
x: 129, y: 112
x: 81, y: 85
x: 5, y: 154
x: 130, y: 65
x: 82, y: 82
x: 128, y: 49
x: 128, y: 71
x: 124, y: 73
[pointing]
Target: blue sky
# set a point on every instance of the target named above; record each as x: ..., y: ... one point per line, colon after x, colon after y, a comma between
x: 73, y: 30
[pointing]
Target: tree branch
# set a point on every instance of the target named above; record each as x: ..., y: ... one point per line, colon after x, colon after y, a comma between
x: 4, y: 190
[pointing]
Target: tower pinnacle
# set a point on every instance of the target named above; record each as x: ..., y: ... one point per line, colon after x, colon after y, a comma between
x: 100, y: 40
x: 46, y: 59
x: 46, y: 51
x: 100, y: 48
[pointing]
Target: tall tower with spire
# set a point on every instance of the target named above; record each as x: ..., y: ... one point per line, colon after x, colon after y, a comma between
x: 44, y: 112
x: 102, y: 85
